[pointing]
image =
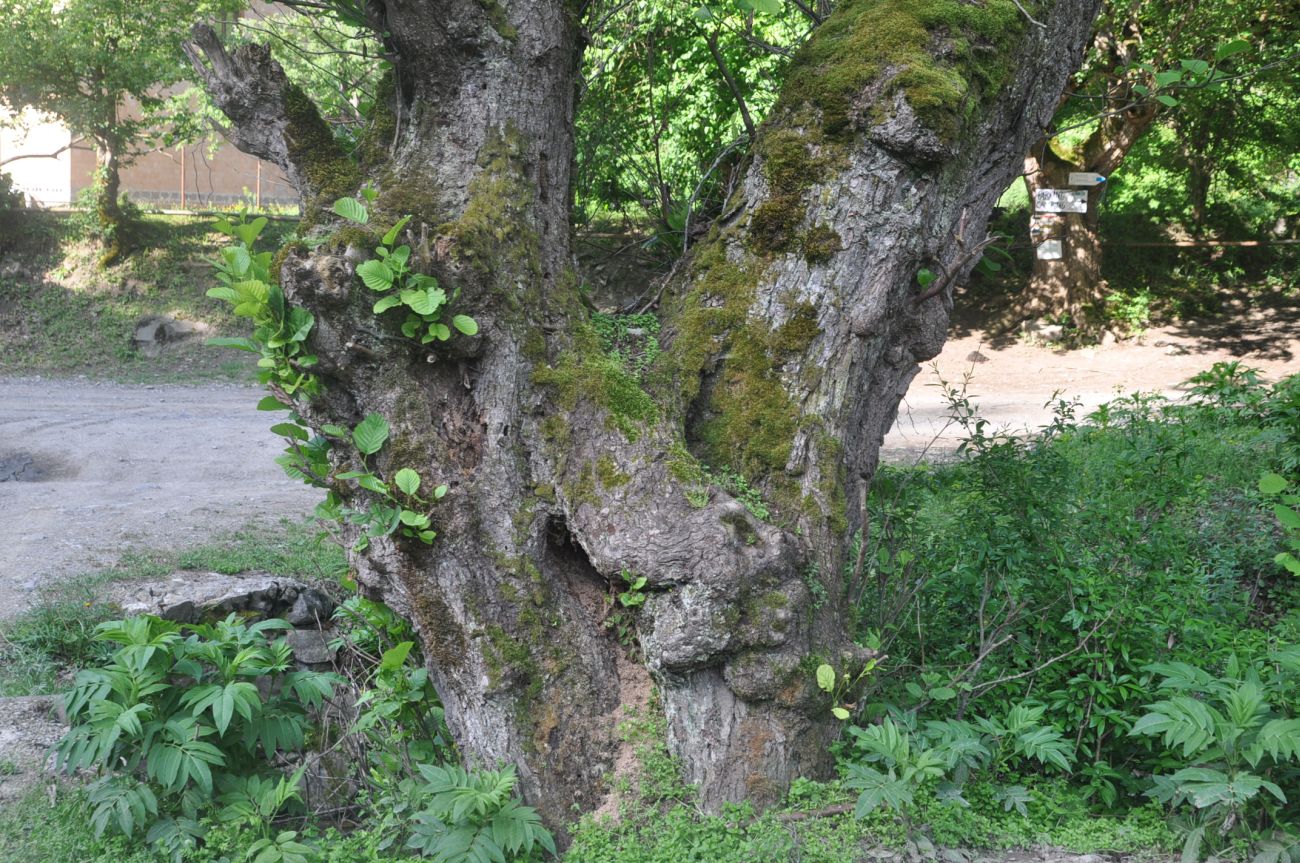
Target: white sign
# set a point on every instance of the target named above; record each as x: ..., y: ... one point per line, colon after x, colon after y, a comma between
x: 1060, y: 201
x: 1084, y: 178
x: 1050, y: 250
x: 1044, y: 226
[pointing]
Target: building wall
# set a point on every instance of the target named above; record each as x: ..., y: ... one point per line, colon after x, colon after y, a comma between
x: 45, y: 182
x: 197, y: 176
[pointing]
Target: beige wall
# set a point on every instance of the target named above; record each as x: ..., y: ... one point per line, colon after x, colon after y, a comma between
x: 45, y: 182
x: 208, y: 178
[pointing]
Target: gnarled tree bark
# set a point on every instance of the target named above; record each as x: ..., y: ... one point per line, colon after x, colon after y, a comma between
x: 789, y: 338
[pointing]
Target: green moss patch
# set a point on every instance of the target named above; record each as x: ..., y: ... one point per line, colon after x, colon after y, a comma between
x: 585, y: 372
x: 945, y: 56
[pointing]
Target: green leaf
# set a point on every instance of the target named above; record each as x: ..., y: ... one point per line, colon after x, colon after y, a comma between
x: 410, y: 518
x: 1172, y: 76
x: 425, y: 302
x: 391, y: 236
x: 1271, y: 483
x: 943, y: 693
x: 439, y: 332
x: 1167, y: 101
x: 370, y: 434
x: 376, y: 275
x: 825, y: 678
x: 465, y: 324
x: 372, y: 483
x: 395, y: 656
x: 242, y: 344
x: 1229, y: 49
x: 1287, y: 517
x: 299, y: 324
x: 290, y: 430
x: 271, y: 403
x: 407, y: 480
x: 248, y: 232
x: 388, y: 302
x: 440, y: 492
x: 839, y: 713
x: 352, y: 210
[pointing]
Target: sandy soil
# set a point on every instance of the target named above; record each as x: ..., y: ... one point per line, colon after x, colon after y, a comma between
x: 1012, y: 381
x: 90, y: 469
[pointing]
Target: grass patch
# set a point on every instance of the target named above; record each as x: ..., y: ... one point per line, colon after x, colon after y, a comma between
x: 41, y: 648
x: 62, y: 315
x: 32, y: 830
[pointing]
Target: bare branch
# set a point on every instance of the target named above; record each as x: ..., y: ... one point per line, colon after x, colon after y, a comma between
x: 59, y: 152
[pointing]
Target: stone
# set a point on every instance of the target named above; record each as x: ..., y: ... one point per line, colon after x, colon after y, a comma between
x: 976, y: 357
x: 328, y: 780
x: 29, y: 726
x: 1043, y: 330
x: 190, y: 597
x: 1108, y: 339
x: 310, y: 646
x: 152, y: 332
x: 311, y: 608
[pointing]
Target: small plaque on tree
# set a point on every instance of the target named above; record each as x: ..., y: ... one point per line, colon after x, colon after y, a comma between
x: 1085, y: 178
x: 1050, y: 250
x: 1060, y: 201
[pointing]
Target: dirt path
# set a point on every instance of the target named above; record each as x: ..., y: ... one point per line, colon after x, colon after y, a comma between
x: 90, y: 469
x: 1012, y: 381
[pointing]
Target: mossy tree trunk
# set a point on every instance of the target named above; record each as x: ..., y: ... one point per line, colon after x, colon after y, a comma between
x: 108, y: 187
x: 789, y: 339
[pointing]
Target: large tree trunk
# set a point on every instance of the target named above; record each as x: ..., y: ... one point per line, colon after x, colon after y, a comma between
x: 1070, y: 288
x: 790, y: 337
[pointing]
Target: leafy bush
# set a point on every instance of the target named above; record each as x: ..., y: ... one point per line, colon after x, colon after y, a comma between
x: 176, y: 724
x: 1235, y: 741
x: 953, y: 750
x: 473, y: 817
x: 1087, y: 558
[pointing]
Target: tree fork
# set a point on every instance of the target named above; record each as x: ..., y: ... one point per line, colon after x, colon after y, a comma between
x: 790, y: 339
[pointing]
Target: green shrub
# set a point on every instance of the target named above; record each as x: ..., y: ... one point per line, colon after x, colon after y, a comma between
x: 1231, y: 744
x: 176, y: 724
x: 472, y: 817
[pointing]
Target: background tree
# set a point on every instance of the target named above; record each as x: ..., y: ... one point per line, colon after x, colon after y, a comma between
x: 103, y: 67
x: 572, y: 474
x: 1150, y: 63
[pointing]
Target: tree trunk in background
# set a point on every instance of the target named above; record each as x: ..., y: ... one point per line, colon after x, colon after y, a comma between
x: 108, y: 186
x: 1071, y: 288
x: 789, y: 339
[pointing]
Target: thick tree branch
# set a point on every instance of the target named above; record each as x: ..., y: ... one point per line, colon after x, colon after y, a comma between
x: 270, y: 117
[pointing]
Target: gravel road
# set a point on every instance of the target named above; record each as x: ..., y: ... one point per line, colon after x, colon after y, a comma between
x: 90, y: 469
